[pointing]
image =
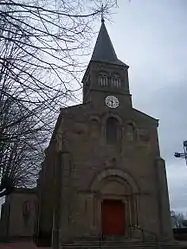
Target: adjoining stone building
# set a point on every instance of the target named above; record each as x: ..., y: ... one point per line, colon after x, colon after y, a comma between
x: 18, y: 214
x: 103, y: 173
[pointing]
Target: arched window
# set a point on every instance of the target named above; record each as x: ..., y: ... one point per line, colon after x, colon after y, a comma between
x: 103, y: 79
x: 115, y: 81
x: 130, y: 132
x: 94, y: 128
x: 111, y: 130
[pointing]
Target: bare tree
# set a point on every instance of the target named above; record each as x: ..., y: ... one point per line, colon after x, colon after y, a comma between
x: 52, y: 37
x: 42, y: 46
x: 41, y: 43
x: 22, y: 127
x: 21, y: 149
x: 178, y: 219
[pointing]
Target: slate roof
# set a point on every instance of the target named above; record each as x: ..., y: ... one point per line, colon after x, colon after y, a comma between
x: 104, y: 50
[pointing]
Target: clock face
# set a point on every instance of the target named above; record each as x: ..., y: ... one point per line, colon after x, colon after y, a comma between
x: 112, y: 101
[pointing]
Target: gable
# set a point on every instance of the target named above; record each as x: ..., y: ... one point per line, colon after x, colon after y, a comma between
x: 141, y: 117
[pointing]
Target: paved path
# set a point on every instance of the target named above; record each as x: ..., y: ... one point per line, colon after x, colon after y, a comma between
x: 21, y: 245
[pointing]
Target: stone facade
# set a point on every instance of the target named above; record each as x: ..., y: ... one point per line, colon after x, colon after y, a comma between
x: 82, y: 168
x: 18, y: 214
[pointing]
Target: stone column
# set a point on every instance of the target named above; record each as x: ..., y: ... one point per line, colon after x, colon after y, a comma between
x: 45, y: 192
x: 163, y: 200
x: 60, y: 150
x: 56, y: 240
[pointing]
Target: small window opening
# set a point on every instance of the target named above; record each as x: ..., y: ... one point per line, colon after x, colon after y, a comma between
x: 111, y: 130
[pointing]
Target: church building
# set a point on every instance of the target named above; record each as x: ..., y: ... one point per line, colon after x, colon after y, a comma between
x: 103, y: 174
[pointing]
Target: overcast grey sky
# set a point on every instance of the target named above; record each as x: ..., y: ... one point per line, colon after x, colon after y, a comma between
x: 151, y: 37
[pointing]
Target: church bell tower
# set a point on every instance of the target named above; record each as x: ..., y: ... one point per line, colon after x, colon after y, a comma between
x: 106, y: 75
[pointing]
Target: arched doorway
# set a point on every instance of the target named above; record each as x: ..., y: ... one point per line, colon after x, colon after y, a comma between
x: 116, y: 209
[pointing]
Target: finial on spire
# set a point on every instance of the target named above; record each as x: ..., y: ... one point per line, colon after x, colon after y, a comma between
x: 102, y: 13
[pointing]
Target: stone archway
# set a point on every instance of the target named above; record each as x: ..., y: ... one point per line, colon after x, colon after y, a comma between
x: 115, y: 189
x: 118, y: 173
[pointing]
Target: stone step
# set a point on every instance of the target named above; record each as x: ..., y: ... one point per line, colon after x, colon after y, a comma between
x: 130, y: 247
x: 117, y: 245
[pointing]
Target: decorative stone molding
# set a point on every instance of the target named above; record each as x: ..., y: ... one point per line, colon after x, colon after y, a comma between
x: 94, y: 117
x: 26, y: 208
x: 94, y: 127
x: 117, y: 173
x: 130, y: 132
x: 143, y: 135
x: 79, y: 128
x: 109, y: 115
x: 110, y: 163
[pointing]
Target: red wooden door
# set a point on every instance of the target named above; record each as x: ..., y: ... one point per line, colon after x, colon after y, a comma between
x: 113, y: 217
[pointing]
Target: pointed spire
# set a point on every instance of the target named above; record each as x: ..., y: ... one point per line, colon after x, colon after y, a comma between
x: 104, y: 50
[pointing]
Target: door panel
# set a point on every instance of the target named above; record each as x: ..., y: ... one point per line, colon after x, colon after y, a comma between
x: 113, y: 217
